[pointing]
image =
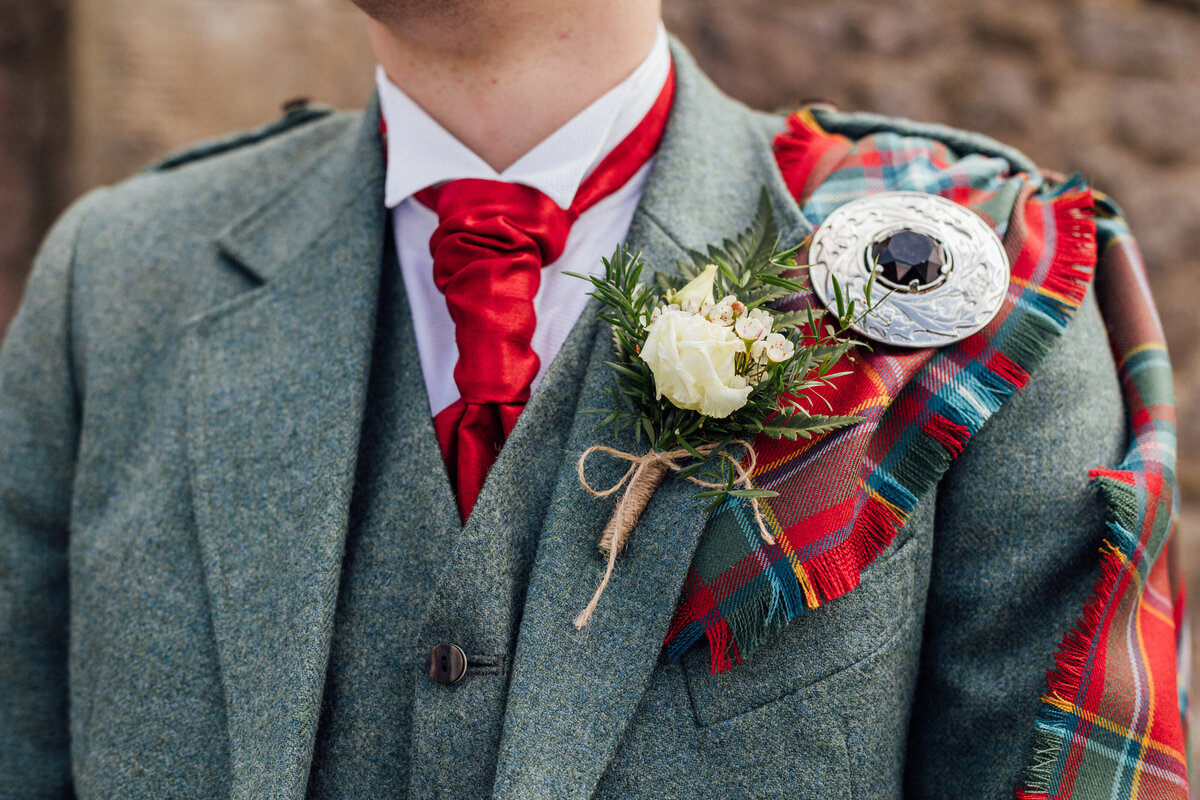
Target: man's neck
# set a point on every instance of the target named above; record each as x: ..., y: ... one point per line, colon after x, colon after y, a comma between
x: 504, y: 75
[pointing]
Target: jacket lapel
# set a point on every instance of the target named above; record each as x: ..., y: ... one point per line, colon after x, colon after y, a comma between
x: 276, y: 397
x: 715, y: 159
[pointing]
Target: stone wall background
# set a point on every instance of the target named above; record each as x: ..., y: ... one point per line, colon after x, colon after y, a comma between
x: 1106, y: 87
x: 35, y: 129
x: 90, y: 90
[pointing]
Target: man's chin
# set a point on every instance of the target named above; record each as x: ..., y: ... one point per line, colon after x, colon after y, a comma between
x: 391, y: 12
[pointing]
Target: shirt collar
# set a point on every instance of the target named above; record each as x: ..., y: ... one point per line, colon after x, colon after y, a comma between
x: 422, y: 153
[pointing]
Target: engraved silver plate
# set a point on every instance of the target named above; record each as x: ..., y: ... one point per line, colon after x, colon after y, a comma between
x: 966, y: 295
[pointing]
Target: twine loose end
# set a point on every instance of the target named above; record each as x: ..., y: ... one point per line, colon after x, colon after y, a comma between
x: 644, y: 476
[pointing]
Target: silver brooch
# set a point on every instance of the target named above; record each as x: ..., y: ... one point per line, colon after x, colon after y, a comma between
x: 943, y: 269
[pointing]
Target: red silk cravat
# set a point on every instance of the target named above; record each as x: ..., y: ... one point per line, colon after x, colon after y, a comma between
x: 492, y: 240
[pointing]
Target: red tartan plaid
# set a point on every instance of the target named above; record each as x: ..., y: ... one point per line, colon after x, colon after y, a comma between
x: 1113, y: 719
x: 1111, y: 723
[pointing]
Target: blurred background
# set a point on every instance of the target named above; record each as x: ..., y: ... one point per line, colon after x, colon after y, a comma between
x: 91, y: 90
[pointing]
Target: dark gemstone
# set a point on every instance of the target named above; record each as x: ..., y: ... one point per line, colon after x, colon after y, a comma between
x: 909, y: 256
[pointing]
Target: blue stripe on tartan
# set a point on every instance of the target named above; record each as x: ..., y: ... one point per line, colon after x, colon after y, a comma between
x: 688, y: 636
x: 972, y: 395
x: 1061, y: 725
x: 831, y: 539
x: 785, y: 586
x: 897, y: 451
x: 941, y: 405
x: 776, y: 575
x: 1122, y: 538
x: 1104, y: 743
x: 884, y: 484
x: 1064, y: 725
x: 1153, y: 358
x: 908, y: 163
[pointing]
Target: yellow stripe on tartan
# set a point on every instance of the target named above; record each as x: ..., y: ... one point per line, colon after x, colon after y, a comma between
x: 1156, y: 612
x: 1141, y: 348
x: 1108, y: 548
x: 1144, y: 740
x: 810, y: 595
x: 1069, y: 302
x: 878, y: 401
x: 1107, y: 724
x: 791, y: 455
x: 900, y: 514
x: 881, y: 389
x: 880, y: 398
x: 811, y: 599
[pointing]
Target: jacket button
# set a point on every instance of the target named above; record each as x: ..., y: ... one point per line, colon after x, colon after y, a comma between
x: 447, y: 664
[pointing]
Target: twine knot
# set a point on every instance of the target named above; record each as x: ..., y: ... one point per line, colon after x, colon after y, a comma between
x: 642, y: 479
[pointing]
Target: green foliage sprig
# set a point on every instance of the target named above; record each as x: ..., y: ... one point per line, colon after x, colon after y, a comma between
x: 757, y: 272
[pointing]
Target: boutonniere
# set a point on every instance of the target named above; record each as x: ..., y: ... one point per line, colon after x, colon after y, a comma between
x: 705, y: 362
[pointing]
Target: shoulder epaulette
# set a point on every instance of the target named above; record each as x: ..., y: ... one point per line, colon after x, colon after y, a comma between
x: 296, y: 114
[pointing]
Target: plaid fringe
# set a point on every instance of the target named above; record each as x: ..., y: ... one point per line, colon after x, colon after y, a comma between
x: 1113, y: 720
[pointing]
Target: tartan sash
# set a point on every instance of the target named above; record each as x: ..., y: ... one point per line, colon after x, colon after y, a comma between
x: 1113, y: 721
x: 842, y: 498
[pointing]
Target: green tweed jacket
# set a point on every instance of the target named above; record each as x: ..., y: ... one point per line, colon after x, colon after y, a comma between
x: 181, y: 400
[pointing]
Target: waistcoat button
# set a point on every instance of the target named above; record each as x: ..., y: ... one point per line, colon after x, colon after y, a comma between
x: 447, y: 664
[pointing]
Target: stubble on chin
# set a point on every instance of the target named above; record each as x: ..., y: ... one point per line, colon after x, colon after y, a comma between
x: 394, y: 12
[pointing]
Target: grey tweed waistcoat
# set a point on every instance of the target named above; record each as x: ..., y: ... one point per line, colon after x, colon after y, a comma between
x: 413, y: 577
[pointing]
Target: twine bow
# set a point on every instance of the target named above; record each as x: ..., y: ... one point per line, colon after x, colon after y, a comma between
x: 644, y: 476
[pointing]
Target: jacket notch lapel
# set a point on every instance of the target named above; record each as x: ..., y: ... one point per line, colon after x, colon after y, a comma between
x: 713, y: 163
x: 276, y: 397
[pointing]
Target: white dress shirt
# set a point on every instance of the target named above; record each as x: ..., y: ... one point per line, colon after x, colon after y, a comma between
x: 422, y: 153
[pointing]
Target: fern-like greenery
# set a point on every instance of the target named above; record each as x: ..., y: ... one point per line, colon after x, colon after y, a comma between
x: 754, y: 269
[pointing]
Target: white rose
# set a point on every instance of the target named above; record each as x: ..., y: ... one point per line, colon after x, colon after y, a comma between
x: 749, y: 328
x: 778, y: 348
x: 693, y: 361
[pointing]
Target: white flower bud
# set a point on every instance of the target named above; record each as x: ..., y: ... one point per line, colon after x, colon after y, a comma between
x: 699, y: 288
x: 691, y: 305
x: 721, y: 313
